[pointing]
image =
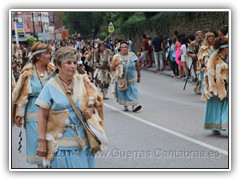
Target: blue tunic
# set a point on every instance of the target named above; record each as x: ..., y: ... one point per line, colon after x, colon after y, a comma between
x: 129, y: 97
x: 31, y: 119
x: 70, y: 156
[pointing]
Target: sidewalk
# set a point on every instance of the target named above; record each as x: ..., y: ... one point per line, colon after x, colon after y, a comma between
x: 166, y: 73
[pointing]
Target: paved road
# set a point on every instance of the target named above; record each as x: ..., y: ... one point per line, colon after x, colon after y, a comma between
x: 167, y: 133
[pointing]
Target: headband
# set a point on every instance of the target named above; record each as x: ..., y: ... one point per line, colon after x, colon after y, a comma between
x: 123, y: 44
x: 198, y: 32
x: 223, y: 46
x: 73, y: 56
x: 37, y: 52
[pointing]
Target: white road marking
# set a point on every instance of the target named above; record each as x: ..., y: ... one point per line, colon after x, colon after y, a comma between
x: 222, y: 151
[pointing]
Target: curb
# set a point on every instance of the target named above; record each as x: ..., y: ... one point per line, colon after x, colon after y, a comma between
x: 165, y: 73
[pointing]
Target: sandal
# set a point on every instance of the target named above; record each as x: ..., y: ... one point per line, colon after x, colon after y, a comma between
x: 136, y: 108
x: 216, y: 132
x: 125, y: 108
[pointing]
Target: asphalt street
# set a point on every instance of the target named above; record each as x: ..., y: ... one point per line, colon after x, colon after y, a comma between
x: 167, y: 133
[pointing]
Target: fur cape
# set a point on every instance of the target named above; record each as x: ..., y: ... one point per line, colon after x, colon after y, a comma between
x: 23, y: 89
x: 57, y: 120
x: 216, y: 79
x: 119, y: 69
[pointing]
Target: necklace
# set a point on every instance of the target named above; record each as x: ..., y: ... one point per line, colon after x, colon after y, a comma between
x: 69, y: 90
x: 38, y: 76
x: 68, y: 83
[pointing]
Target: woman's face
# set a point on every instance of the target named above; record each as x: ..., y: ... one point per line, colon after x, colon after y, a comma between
x: 124, y: 49
x: 44, y: 58
x: 210, y: 39
x: 68, y: 67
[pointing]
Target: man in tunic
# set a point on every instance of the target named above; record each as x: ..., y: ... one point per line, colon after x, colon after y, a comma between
x: 102, y: 59
x: 192, y: 52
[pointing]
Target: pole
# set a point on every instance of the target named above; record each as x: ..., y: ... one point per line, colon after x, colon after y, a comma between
x: 41, y: 20
x: 16, y: 32
x: 188, y: 76
x: 33, y: 25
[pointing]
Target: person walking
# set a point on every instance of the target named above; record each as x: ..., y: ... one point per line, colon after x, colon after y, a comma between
x: 192, y: 52
x: 205, y: 51
x: 29, y: 85
x: 131, y: 70
x: 216, y: 93
x: 62, y: 139
x: 102, y: 59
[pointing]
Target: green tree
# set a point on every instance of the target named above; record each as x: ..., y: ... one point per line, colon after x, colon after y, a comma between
x: 31, y: 40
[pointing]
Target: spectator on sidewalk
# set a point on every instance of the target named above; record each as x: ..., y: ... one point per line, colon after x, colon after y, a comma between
x: 178, y: 55
x: 158, y: 49
x: 130, y: 45
x: 172, y: 52
x: 183, y: 50
x: 150, y: 54
x: 145, y: 49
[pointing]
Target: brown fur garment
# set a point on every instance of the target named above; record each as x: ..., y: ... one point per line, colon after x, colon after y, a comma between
x: 119, y: 70
x: 215, y: 79
x: 56, y: 125
x: 23, y: 89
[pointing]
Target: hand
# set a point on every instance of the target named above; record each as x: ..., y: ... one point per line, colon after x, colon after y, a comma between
x: 116, y: 64
x: 138, y: 80
x: 87, y: 113
x: 101, y: 122
x: 42, y: 149
x: 204, y: 69
x: 18, y: 121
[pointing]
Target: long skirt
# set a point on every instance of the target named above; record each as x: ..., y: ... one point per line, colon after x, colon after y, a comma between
x: 73, y: 158
x: 216, y: 116
x: 129, y: 97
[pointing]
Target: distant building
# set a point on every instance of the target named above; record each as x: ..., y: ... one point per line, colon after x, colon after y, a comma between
x: 42, y: 25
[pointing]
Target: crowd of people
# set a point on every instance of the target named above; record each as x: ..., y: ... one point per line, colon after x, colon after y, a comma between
x: 44, y: 76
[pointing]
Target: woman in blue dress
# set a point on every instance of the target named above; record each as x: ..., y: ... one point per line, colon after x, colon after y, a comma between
x: 216, y: 88
x: 61, y: 135
x: 128, y: 97
x: 29, y: 85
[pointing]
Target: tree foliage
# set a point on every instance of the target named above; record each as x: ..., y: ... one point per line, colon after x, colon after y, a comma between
x: 90, y: 24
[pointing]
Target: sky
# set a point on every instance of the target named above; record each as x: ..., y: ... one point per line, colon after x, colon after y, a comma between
x: 123, y: 4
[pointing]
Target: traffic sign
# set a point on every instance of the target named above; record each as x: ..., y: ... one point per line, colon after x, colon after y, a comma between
x: 110, y: 29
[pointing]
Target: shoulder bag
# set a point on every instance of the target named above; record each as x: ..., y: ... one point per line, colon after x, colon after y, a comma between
x: 93, y: 140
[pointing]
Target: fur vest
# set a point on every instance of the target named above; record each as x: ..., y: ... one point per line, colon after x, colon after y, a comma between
x: 57, y: 120
x: 102, y: 59
x: 216, y: 79
x: 23, y: 89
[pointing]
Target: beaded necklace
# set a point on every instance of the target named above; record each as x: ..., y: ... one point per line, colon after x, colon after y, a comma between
x: 68, y: 90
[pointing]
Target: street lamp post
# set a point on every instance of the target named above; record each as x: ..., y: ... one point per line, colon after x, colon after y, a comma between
x: 33, y: 25
x: 15, y: 27
x: 40, y: 20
